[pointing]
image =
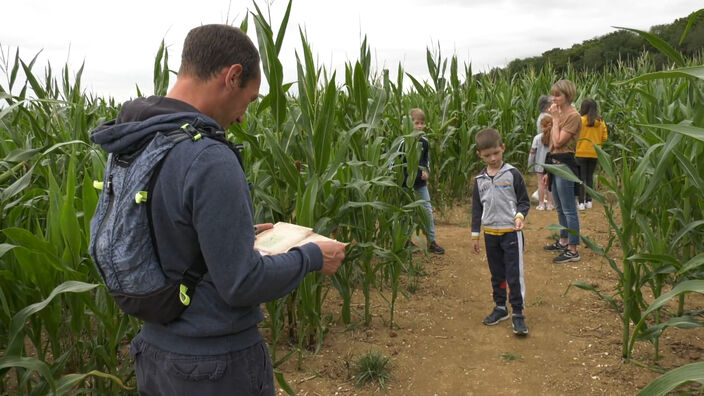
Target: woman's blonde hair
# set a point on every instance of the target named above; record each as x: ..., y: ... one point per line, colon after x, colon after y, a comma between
x: 566, y: 88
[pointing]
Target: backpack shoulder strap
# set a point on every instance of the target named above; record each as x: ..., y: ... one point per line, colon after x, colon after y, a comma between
x: 193, y: 274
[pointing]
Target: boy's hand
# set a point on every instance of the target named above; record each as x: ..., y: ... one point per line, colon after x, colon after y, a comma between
x: 423, y: 175
x: 475, y: 246
x: 519, y: 223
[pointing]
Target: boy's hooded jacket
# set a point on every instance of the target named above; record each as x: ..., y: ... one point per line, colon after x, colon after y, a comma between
x: 202, y: 211
x: 497, y: 201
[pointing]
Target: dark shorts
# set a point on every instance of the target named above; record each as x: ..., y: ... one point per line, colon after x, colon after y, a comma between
x: 245, y: 372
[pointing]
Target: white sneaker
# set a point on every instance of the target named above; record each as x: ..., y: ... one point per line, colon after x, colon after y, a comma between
x: 549, y: 207
x: 540, y: 207
x: 589, y: 204
x: 580, y: 206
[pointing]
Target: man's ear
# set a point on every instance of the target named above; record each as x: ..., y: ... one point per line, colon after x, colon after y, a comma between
x: 233, y: 75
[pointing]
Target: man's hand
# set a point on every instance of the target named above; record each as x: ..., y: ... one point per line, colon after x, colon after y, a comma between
x: 519, y: 223
x: 333, y: 254
x: 261, y: 227
x: 475, y: 246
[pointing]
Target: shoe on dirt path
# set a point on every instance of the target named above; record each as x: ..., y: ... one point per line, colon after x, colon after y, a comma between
x: 519, y: 325
x: 566, y: 257
x: 496, y: 316
x: 555, y: 247
x: 435, y: 248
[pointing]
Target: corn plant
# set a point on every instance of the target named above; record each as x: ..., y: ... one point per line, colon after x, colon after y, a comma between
x: 659, y: 225
x: 322, y: 151
x: 49, y: 293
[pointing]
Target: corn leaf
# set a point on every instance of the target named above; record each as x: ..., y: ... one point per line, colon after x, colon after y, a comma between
x: 562, y: 171
x: 686, y: 130
x: 282, y: 28
x: 283, y: 384
x: 16, y: 330
x: 325, y: 128
x: 660, y: 44
x: 68, y: 382
x: 690, y: 23
x: 589, y: 287
x: 683, y: 72
x: 687, y: 286
x: 667, y: 382
x: 695, y: 262
x: 29, y: 363
x: 680, y: 322
x: 305, y: 205
x: 18, y: 186
x: 70, y: 228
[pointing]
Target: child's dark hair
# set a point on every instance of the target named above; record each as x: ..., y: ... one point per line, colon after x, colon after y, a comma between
x: 589, y: 109
x: 488, y: 138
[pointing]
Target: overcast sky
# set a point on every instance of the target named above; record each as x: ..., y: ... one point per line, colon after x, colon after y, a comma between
x: 118, y: 40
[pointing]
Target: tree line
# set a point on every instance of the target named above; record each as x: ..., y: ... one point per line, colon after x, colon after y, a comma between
x: 622, y: 45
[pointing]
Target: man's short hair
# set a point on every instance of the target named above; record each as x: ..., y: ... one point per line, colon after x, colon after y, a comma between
x: 417, y: 114
x: 209, y: 48
x: 488, y: 138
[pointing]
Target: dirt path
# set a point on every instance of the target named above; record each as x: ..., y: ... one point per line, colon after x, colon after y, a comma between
x: 442, y: 348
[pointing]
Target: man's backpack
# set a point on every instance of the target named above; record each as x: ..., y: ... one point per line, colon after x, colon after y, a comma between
x: 122, y: 243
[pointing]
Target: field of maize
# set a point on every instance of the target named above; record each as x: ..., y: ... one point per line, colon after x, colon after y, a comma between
x: 320, y: 152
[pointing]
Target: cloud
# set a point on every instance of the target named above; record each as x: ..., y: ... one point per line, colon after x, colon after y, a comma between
x: 119, y: 45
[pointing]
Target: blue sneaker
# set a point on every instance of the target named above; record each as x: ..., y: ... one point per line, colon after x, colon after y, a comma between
x: 566, y: 257
x: 519, y: 325
x: 555, y: 247
x: 496, y: 316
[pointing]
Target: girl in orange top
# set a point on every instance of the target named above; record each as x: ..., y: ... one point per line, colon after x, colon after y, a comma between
x: 593, y: 132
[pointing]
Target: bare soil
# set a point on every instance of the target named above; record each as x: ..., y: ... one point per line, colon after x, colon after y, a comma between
x: 439, y: 345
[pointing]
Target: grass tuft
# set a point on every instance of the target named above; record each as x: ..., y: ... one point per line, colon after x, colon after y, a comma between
x: 508, y: 356
x: 373, y: 367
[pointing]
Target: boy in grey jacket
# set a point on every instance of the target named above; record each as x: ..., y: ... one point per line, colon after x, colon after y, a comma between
x: 500, y: 203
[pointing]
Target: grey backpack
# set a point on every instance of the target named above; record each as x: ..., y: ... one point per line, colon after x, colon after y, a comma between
x: 122, y: 242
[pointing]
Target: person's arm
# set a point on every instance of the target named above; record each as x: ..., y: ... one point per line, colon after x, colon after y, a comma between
x: 522, y: 199
x: 477, y: 210
x: 533, y: 151
x: 217, y: 195
x: 560, y: 137
x: 424, y: 161
x: 425, y: 155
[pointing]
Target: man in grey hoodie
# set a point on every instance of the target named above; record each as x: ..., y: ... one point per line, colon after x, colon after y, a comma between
x: 202, y: 212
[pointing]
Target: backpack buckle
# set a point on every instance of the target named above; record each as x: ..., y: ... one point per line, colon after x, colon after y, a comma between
x: 191, y: 131
x: 188, y: 283
x: 184, y: 294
